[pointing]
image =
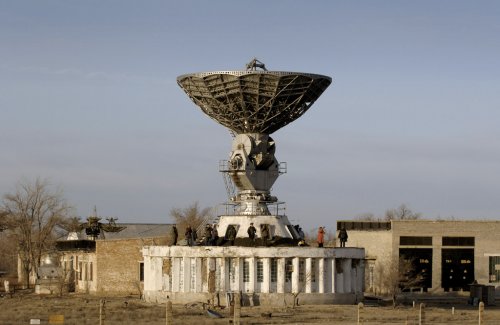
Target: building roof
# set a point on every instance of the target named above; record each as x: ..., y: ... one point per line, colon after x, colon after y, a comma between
x: 133, y: 230
x: 139, y: 230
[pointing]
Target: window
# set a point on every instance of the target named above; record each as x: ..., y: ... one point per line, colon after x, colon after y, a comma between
x: 274, y: 270
x: 458, y: 241
x: 91, y: 272
x: 288, y: 270
x: 313, y: 270
x: 260, y: 271
x: 415, y: 241
x: 246, y: 271
x: 364, y: 225
x: 80, y: 270
x: 181, y: 274
x: 301, y: 270
x: 494, y: 269
x: 141, y: 271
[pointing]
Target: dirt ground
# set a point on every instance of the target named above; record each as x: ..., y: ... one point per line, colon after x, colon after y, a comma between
x: 84, y: 309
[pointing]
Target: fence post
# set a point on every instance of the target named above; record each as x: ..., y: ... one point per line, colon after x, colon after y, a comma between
x: 169, y: 316
x: 102, y: 311
x: 237, y: 309
x: 481, y: 310
x: 421, y: 314
x: 360, y: 306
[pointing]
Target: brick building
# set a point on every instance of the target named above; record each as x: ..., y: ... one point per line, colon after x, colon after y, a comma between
x: 113, y: 264
x: 449, y: 255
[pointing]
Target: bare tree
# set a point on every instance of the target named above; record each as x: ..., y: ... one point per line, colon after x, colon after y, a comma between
x: 401, y: 213
x: 72, y: 224
x: 192, y: 216
x: 397, y: 276
x: 366, y: 217
x: 3, y: 220
x: 8, y: 253
x: 33, y: 212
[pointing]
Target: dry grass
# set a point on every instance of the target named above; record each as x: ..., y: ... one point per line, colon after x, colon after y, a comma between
x: 84, y: 309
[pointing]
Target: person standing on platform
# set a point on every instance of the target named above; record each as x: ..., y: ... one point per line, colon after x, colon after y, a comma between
x: 189, y: 236
x: 321, y: 237
x: 264, y: 231
x: 343, y: 236
x: 251, y: 233
x: 174, y: 234
x: 194, y: 237
x: 208, y: 235
x: 215, y: 235
x: 231, y: 234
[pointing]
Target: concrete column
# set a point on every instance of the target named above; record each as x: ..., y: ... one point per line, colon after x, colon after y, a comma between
x: 175, y: 274
x: 361, y: 276
x: 347, y: 268
x: 223, y: 280
x: 148, y: 268
x: 198, y: 280
x: 252, y: 274
x: 186, y: 261
x: 437, y: 262
x: 334, y: 275
x: 309, y: 275
x: 266, y: 269
x: 321, y: 275
x: 281, y: 276
x: 224, y: 275
x: 238, y: 273
x: 354, y: 279
x: 295, y: 275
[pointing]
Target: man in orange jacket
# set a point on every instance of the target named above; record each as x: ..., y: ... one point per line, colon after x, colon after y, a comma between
x: 321, y: 236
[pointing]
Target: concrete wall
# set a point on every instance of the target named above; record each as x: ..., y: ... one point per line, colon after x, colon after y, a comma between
x: 258, y: 299
x: 486, y: 234
x: 378, y: 245
x: 118, y: 264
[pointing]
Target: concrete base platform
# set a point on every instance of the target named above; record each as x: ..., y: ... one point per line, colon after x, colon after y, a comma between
x: 257, y: 299
x: 264, y: 275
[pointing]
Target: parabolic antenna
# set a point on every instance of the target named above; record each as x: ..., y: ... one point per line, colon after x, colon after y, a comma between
x: 254, y: 104
x: 254, y: 101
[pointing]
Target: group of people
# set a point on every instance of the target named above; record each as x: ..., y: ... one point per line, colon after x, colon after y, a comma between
x: 211, y: 235
x: 342, y: 236
x: 264, y: 234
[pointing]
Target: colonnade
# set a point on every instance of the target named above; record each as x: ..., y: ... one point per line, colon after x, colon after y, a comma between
x: 262, y: 275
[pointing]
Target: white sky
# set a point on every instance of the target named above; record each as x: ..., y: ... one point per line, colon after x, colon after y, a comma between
x: 89, y: 100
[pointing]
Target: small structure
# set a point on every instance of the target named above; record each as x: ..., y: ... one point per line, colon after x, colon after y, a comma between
x: 252, y: 104
x: 50, y: 278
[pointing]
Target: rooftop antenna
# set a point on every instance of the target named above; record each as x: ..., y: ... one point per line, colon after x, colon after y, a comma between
x: 254, y: 64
